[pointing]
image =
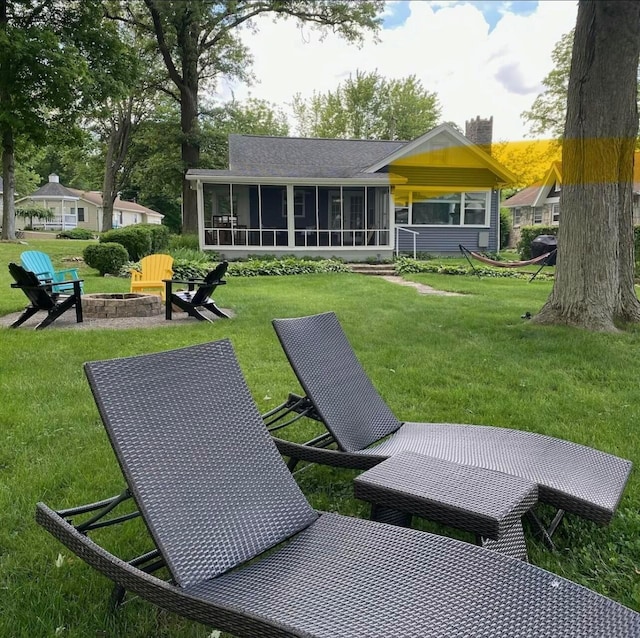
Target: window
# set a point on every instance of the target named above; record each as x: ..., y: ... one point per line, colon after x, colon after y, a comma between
x: 517, y: 216
x: 402, y: 215
x: 555, y: 213
x: 436, y: 211
x: 455, y: 209
x: 299, y: 200
x: 81, y: 214
x: 475, y: 209
x: 537, y: 215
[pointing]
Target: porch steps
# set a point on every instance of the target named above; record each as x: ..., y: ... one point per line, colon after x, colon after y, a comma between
x: 373, y: 269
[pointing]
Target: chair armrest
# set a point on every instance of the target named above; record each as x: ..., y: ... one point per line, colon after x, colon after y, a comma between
x: 325, y: 456
x: 136, y: 275
x: 72, y: 271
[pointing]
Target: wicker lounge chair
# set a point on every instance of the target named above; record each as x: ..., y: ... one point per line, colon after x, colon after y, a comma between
x: 215, y: 496
x: 571, y: 477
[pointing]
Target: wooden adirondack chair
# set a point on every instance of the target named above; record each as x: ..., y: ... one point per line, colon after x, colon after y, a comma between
x: 191, y: 300
x: 40, y: 264
x: 42, y: 298
x: 155, y: 268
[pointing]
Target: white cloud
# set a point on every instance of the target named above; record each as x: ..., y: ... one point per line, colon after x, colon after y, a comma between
x: 449, y: 48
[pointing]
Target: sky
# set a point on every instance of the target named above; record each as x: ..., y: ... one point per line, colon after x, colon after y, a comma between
x: 482, y: 58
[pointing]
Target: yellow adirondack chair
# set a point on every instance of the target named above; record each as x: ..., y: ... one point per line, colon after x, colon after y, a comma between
x: 155, y: 268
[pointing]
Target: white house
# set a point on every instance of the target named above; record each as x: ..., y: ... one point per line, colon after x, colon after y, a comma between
x: 83, y: 209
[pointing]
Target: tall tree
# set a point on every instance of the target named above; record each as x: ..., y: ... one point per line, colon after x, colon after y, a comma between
x: 548, y: 112
x: 199, y: 43
x: 56, y: 58
x: 594, y: 283
x: 369, y: 106
x: 156, y: 178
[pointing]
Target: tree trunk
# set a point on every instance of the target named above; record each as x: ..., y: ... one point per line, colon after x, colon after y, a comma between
x: 190, y: 125
x: 594, y: 283
x: 108, y: 186
x: 190, y: 155
x: 9, y: 178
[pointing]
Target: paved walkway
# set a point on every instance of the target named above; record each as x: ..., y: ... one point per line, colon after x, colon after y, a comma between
x: 422, y: 289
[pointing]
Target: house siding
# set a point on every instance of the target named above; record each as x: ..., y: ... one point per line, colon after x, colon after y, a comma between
x: 466, y: 178
x: 445, y: 240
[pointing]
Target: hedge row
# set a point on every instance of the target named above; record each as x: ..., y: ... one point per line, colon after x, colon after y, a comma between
x: 528, y: 234
x: 406, y: 265
x: 140, y: 240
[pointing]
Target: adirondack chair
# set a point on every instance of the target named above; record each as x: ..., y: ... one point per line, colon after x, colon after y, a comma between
x: 40, y: 264
x: 42, y: 298
x: 191, y: 301
x: 155, y: 268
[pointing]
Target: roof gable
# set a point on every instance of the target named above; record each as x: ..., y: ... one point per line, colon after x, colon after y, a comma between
x: 443, y: 146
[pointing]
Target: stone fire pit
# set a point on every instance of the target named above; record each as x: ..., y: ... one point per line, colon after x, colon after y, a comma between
x: 112, y: 305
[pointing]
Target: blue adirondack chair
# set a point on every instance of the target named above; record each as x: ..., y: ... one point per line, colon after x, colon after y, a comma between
x: 40, y: 264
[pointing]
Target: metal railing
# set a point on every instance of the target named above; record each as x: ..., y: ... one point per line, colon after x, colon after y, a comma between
x: 406, y: 230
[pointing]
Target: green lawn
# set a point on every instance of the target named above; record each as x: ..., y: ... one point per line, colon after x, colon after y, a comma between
x: 460, y: 359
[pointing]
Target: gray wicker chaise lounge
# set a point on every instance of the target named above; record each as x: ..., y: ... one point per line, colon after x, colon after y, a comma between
x: 246, y: 552
x: 571, y: 477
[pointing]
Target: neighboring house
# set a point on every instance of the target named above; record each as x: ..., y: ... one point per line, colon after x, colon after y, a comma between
x: 540, y: 204
x: 353, y: 198
x: 75, y: 208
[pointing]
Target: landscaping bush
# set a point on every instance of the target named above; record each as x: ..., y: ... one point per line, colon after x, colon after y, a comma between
x: 75, y: 233
x: 159, y: 237
x: 105, y: 257
x: 136, y: 239
x: 189, y: 241
x: 406, y: 265
x: 528, y: 234
x: 505, y: 227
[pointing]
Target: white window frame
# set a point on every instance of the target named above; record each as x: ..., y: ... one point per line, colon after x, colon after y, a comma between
x: 517, y: 216
x: 537, y: 214
x: 555, y: 213
x: 487, y: 211
x: 298, y: 204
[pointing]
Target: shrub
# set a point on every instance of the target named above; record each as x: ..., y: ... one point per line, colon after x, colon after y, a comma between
x: 75, y: 233
x: 528, y: 234
x: 106, y: 257
x: 136, y: 239
x: 184, y: 241
x: 159, y: 237
x: 505, y: 227
x: 406, y: 265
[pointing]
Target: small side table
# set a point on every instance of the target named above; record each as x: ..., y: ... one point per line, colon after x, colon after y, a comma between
x: 486, y: 503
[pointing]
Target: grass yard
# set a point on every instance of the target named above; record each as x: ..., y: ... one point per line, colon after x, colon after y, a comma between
x: 469, y: 359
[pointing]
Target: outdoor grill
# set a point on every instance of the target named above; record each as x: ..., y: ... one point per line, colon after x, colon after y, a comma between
x: 543, y: 244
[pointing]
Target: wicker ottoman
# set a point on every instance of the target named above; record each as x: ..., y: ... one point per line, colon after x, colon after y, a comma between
x: 486, y: 503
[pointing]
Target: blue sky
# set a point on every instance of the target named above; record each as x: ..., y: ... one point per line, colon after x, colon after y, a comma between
x: 398, y: 11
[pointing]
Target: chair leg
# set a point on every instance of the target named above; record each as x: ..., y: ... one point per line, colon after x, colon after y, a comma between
x: 215, y: 310
x: 29, y: 311
x: 54, y: 313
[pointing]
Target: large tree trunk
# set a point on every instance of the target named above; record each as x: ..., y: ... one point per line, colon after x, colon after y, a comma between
x: 190, y: 127
x: 594, y: 285
x: 8, y: 195
x: 190, y: 156
x: 119, y: 138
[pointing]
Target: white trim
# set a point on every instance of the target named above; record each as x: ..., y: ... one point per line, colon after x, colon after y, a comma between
x: 297, y: 181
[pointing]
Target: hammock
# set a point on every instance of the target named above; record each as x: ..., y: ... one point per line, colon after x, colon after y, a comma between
x: 541, y: 259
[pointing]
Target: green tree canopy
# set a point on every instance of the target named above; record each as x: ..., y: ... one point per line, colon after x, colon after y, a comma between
x: 369, y: 106
x: 548, y: 112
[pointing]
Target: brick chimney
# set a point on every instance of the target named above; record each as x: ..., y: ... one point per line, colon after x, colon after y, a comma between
x: 480, y: 132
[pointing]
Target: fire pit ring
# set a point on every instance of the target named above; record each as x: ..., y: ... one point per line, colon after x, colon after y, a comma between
x: 117, y: 305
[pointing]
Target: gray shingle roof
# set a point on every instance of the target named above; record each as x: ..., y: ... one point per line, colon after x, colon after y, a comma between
x: 54, y: 189
x: 263, y: 156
